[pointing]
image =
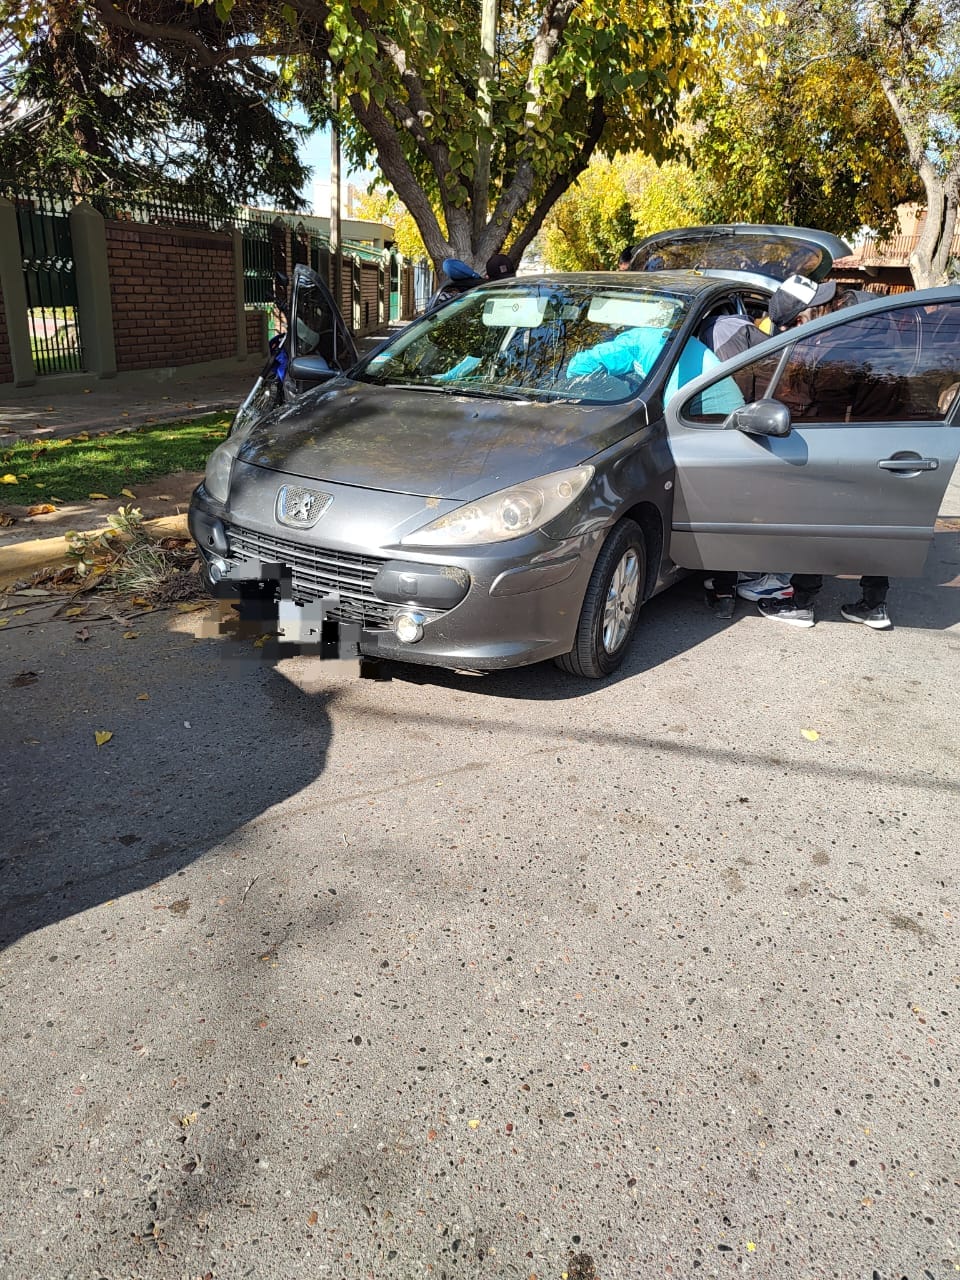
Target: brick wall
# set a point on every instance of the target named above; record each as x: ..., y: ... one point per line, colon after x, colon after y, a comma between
x: 256, y: 325
x: 6, y: 367
x: 173, y: 295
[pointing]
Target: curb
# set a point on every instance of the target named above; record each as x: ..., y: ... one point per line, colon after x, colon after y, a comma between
x: 24, y: 558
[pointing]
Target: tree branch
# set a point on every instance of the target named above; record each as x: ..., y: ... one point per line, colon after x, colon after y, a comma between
x: 563, y: 181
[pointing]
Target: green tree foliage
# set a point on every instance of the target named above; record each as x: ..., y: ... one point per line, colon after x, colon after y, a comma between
x: 86, y: 101
x: 591, y: 223
x: 568, y: 77
x: 844, y: 112
x: 615, y: 203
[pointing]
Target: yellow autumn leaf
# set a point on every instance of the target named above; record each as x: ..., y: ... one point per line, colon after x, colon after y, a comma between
x: 143, y: 697
x: 4, y: 621
x: 474, y: 1124
x: 102, y: 736
x: 74, y: 612
x: 131, y: 635
x: 189, y: 1119
x: 193, y: 607
x: 751, y: 1247
x: 8, y: 479
x: 811, y: 735
x: 128, y: 493
x: 100, y: 497
x: 18, y: 613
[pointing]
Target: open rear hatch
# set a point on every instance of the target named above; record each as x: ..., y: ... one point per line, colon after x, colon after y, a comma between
x: 772, y: 252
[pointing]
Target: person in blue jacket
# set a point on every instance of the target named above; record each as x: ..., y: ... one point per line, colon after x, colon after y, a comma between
x: 635, y: 351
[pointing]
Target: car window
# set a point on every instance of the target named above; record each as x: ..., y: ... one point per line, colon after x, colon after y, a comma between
x: 891, y: 366
x: 715, y: 249
x: 538, y: 341
x: 313, y: 330
x: 753, y: 381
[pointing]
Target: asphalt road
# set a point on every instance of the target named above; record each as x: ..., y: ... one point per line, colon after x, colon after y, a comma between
x: 501, y: 976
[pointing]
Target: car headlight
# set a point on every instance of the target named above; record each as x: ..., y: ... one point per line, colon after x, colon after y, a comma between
x: 510, y: 513
x: 216, y: 477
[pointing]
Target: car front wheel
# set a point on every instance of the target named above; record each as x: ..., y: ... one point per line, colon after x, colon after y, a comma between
x: 611, y: 605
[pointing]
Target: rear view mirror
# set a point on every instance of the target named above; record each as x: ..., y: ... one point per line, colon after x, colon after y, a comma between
x: 311, y: 369
x: 762, y: 418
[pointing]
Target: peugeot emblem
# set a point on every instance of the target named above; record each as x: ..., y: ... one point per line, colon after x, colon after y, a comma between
x: 299, y: 507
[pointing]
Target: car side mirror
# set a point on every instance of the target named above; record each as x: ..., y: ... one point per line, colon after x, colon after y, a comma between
x: 762, y: 418
x: 311, y: 369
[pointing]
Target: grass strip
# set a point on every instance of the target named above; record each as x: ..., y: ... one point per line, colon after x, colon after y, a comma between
x: 72, y: 469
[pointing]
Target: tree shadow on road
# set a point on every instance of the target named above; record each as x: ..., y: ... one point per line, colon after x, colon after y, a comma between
x: 214, y: 744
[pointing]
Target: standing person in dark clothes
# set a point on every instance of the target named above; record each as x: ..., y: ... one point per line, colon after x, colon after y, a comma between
x: 797, y: 609
x: 730, y: 336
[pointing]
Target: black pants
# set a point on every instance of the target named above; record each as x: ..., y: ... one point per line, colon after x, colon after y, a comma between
x: 724, y: 583
x: 873, y: 588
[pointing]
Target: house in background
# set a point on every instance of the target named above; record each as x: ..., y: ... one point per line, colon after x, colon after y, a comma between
x: 883, y: 266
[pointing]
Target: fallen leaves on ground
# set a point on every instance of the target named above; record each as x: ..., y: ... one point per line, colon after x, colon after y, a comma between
x: 102, y: 736
x: 128, y: 494
x: 41, y: 509
x: 6, y: 520
x: 99, y: 497
x: 131, y: 635
x: 83, y: 635
x: 811, y: 735
x: 8, y: 479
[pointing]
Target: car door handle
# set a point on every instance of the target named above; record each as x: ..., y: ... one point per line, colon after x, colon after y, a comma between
x: 909, y: 464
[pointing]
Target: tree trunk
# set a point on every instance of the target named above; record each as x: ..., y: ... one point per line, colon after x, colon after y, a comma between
x: 931, y: 258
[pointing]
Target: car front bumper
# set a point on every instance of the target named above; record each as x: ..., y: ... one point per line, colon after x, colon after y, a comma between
x: 505, y: 605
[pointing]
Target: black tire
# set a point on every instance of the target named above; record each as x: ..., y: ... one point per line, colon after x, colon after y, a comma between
x: 611, y: 605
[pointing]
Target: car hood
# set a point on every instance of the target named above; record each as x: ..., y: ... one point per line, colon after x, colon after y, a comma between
x: 429, y: 443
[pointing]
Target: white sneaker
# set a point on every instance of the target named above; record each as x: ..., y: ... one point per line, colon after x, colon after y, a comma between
x: 772, y: 586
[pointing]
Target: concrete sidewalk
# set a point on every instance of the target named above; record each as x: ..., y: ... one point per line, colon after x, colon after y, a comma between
x: 159, y: 395
x: 42, y: 412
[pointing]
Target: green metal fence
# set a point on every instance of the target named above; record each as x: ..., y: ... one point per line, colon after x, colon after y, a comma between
x: 50, y: 279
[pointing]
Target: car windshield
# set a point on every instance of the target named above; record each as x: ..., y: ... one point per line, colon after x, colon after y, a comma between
x: 536, y: 342
x: 719, y: 250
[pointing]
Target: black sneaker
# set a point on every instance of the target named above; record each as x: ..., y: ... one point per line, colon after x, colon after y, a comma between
x: 722, y: 607
x: 786, y: 611
x: 871, y: 615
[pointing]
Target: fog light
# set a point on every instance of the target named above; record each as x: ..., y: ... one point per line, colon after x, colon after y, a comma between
x: 408, y: 627
x: 217, y: 568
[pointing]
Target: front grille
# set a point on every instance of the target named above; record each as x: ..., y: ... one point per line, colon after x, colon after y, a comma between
x: 318, y: 571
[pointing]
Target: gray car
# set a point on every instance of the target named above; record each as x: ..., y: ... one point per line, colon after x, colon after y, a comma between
x: 509, y: 479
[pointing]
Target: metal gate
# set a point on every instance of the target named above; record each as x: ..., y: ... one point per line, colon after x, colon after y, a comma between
x: 51, y: 283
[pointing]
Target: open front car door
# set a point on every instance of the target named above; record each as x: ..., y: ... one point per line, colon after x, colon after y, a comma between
x: 319, y: 344
x: 839, y: 459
